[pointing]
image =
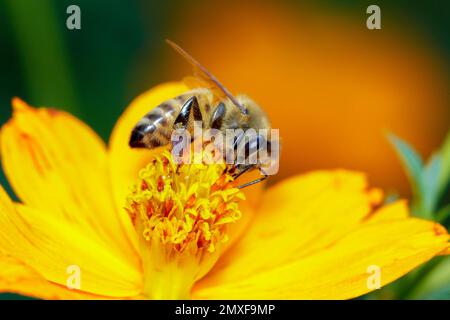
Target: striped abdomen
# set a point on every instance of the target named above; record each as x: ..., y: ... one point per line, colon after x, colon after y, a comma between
x: 156, y: 127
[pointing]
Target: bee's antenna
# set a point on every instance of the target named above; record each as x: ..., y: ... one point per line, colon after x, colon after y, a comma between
x: 207, y: 74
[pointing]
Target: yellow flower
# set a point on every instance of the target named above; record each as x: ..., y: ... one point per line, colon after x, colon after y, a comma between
x: 132, y: 235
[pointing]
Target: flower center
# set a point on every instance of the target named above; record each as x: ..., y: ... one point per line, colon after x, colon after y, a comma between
x: 181, y: 213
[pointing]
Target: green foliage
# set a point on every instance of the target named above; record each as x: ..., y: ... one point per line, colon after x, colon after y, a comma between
x: 441, y: 294
x: 436, y: 283
x: 445, y: 168
x: 428, y: 180
x: 428, y: 183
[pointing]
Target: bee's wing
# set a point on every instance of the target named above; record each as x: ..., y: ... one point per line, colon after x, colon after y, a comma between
x: 204, y: 78
x: 196, y: 81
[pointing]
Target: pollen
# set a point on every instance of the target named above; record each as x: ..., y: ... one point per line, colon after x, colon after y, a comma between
x: 186, y: 206
x: 181, y: 213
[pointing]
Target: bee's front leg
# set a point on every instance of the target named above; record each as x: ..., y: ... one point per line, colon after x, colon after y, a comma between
x: 248, y: 184
x: 251, y: 148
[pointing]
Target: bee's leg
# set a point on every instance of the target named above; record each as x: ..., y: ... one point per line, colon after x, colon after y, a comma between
x: 231, y: 148
x: 249, y: 168
x: 182, y: 120
x: 248, y: 184
x: 251, y: 147
x: 232, y: 153
x: 250, y: 150
x: 240, y: 172
x: 237, y: 140
x: 217, y: 116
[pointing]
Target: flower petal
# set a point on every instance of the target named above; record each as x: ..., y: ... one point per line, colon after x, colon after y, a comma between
x: 50, y: 246
x: 56, y: 163
x: 16, y: 277
x: 343, y: 270
x: 126, y: 162
x: 396, y: 210
x: 297, y: 218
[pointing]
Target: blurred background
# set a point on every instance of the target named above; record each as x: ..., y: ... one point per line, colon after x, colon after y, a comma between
x: 330, y: 85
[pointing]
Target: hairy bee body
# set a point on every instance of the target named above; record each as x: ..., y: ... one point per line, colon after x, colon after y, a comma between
x: 156, y: 127
x: 216, y: 108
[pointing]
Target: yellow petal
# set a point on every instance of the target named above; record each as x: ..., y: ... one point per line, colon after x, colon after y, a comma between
x: 16, y: 277
x: 126, y: 162
x: 56, y: 163
x: 392, y: 211
x: 343, y: 270
x: 51, y: 247
x: 297, y: 218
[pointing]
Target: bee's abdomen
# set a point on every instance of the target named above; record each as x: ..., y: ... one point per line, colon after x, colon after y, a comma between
x: 155, y: 128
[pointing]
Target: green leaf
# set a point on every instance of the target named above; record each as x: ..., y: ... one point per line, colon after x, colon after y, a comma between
x: 413, y: 166
x: 431, y: 176
x: 11, y: 296
x: 445, y: 165
x: 440, y: 294
x: 443, y: 214
x: 437, y: 277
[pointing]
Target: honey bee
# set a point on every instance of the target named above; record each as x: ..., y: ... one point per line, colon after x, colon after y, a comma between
x: 214, y: 106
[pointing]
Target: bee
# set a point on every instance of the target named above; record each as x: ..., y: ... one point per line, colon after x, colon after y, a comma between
x: 215, y: 107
